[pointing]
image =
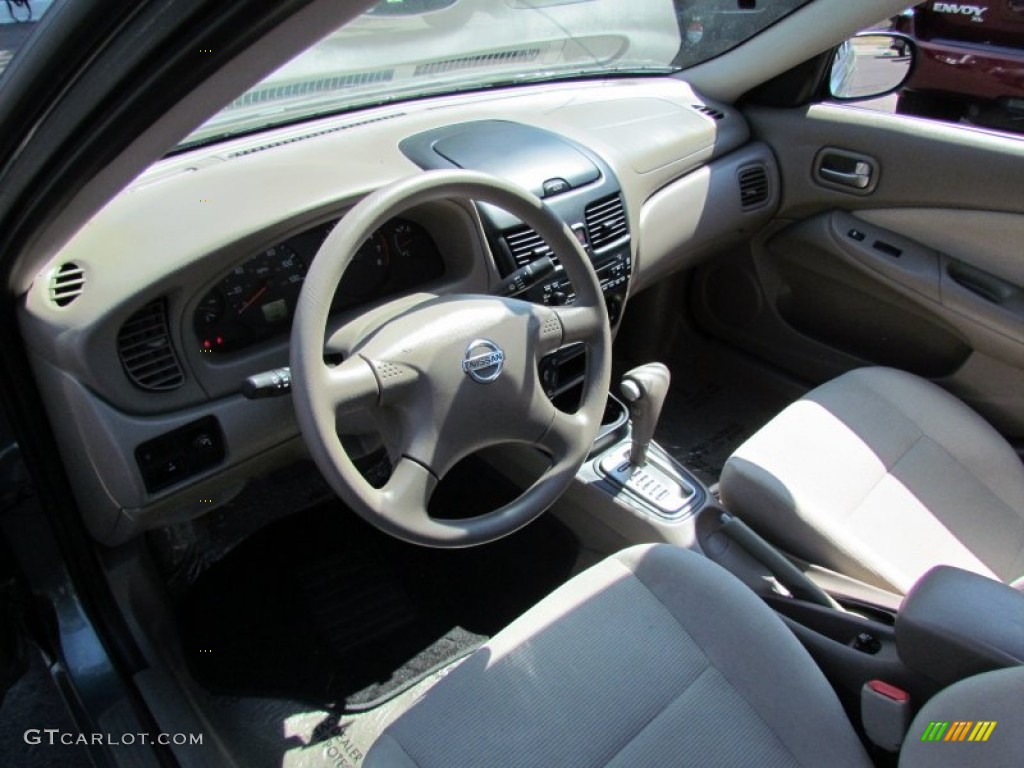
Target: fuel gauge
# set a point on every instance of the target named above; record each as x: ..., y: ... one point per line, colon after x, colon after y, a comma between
x: 403, y: 237
x: 368, y: 270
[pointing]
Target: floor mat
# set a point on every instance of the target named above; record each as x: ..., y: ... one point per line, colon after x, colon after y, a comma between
x: 324, y: 608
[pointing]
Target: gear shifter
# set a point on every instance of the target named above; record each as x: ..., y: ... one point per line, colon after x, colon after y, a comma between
x: 644, y: 389
x: 659, y: 487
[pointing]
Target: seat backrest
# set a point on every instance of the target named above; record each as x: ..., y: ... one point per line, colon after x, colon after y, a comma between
x: 975, y: 722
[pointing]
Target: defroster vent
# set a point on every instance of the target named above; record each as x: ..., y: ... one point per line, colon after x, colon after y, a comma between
x: 147, y: 354
x: 606, y: 221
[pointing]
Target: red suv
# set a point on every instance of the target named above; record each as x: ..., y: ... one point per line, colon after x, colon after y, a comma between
x: 971, y: 62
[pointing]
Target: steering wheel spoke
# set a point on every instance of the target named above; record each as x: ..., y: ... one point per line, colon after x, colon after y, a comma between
x: 564, y: 435
x: 547, y: 330
x: 407, y: 492
x: 351, y: 385
x: 580, y: 323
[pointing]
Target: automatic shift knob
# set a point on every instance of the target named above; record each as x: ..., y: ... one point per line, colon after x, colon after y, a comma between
x: 645, y: 389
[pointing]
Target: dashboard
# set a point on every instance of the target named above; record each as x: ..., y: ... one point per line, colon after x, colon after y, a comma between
x: 145, y: 327
x: 256, y: 300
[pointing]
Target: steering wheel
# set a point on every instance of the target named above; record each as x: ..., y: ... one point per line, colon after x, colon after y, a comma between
x: 446, y: 376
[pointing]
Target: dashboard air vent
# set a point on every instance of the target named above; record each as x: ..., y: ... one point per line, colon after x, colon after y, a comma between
x: 144, y: 346
x: 66, y: 284
x: 755, y: 188
x: 606, y: 221
x: 709, y: 111
x: 526, y: 246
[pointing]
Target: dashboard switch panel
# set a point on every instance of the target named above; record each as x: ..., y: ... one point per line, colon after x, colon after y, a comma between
x: 181, y: 453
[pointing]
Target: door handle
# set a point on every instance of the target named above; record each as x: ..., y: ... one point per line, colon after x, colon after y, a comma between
x: 851, y: 171
x: 859, y: 178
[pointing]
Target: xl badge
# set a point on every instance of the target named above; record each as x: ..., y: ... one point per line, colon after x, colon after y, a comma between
x: 484, y: 361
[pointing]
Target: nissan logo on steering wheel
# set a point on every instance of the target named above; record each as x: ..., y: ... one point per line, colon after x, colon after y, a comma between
x: 484, y: 361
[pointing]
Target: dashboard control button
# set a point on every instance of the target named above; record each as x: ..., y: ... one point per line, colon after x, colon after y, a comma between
x: 176, y: 455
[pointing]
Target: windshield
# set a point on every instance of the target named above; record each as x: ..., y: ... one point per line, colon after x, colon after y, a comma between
x: 403, y: 49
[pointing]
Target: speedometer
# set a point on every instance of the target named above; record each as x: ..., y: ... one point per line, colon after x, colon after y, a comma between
x: 254, y: 300
x: 263, y: 291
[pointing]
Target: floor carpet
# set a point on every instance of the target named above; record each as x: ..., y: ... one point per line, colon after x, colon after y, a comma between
x: 324, y: 608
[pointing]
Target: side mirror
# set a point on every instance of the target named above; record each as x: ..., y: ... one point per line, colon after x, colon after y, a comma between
x: 871, y: 64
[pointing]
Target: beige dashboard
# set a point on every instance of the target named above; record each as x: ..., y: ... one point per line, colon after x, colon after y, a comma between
x: 190, y: 219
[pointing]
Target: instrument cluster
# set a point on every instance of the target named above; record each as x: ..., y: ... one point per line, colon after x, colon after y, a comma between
x: 256, y: 300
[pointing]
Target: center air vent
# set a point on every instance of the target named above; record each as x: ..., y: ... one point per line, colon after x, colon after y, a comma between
x: 146, y: 352
x: 66, y: 284
x: 606, y: 221
x: 526, y: 246
x: 755, y: 189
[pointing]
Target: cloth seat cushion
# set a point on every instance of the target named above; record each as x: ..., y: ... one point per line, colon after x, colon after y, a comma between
x: 881, y: 475
x: 655, y: 656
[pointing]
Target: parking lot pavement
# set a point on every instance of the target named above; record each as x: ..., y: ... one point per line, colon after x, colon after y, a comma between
x: 12, y: 37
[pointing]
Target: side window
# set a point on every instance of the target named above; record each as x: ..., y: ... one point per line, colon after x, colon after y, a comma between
x: 18, y: 20
x: 968, y: 60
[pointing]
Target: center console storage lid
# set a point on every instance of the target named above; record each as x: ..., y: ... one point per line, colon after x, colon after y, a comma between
x: 954, y: 624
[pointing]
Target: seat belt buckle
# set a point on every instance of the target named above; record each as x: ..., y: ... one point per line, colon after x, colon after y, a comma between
x: 885, y: 714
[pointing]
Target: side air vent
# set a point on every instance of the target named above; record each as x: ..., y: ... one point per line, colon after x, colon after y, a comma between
x: 709, y: 111
x: 144, y: 346
x: 755, y: 188
x: 303, y: 137
x: 526, y: 246
x: 496, y: 59
x: 606, y: 221
x: 66, y: 284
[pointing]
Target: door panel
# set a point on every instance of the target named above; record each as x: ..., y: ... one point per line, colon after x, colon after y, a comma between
x: 924, y: 272
x: 921, y: 163
x: 990, y: 241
